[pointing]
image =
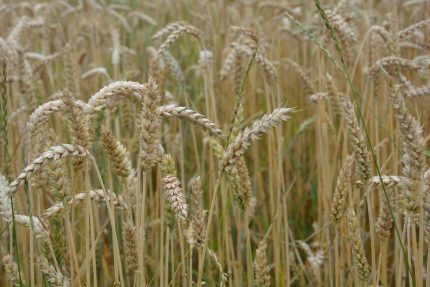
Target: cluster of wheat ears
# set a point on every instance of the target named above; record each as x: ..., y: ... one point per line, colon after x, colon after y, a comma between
x: 215, y: 143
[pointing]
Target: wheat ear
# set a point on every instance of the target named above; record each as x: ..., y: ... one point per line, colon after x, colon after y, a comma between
x: 52, y: 154
x: 97, y: 195
x: 150, y: 153
x: 411, y: 29
x: 54, y: 277
x: 5, y: 204
x: 130, y: 238
x: 358, y: 254
x: 261, y: 267
x: 388, y: 180
x: 176, y: 33
x: 114, y: 92
x: 413, y: 158
x: 385, y: 220
x: 37, y: 226
x: 117, y: 153
x: 168, y: 29
x: 358, y: 143
x: 198, y: 214
x: 175, y: 196
x: 270, y: 72
x: 192, y: 116
x: 308, y: 86
x: 244, y: 140
x: 339, y: 196
x: 11, y: 269
x: 78, y: 124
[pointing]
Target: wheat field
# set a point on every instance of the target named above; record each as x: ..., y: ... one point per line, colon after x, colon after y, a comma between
x: 214, y: 143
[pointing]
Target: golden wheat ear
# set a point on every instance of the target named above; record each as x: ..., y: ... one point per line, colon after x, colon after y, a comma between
x: 261, y: 266
x: 358, y: 253
x: 244, y: 140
